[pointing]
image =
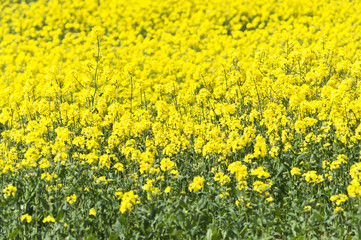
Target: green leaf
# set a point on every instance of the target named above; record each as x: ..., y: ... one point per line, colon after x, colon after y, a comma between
x: 201, y: 203
x: 60, y: 215
x: 14, y: 233
x: 114, y: 236
x: 45, y: 204
x: 318, y: 216
x: 62, y: 173
x: 118, y: 229
x: 209, y: 234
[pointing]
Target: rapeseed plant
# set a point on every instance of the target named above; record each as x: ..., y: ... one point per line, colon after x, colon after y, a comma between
x: 180, y: 119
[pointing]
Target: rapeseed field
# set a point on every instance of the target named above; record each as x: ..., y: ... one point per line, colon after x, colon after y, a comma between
x: 180, y: 119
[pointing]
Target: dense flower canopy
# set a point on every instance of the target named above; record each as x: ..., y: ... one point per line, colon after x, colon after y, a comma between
x: 111, y: 110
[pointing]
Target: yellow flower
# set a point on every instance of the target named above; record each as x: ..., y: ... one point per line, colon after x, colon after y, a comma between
x: 259, y: 186
x: 97, y: 33
x: 340, y: 198
x: 119, y: 167
x: 239, y: 170
x: 166, y: 164
x: 239, y: 201
x: 48, y: 219
x: 296, y: 171
x: 26, y: 217
x: 260, y: 148
x: 10, y: 190
x: 354, y: 188
x: 336, y: 164
x: 312, y: 177
x: 167, y: 189
x: 92, y: 212
x: 118, y: 195
x: 44, y: 163
x: 260, y: 172
x: 221, y: 178
x: 223, y: 194
x: 355, y: 171
x: 128, y: 200
x: 47, y: 176
x: 328, y: 176
x: 338, y: 209
x: 307, y: 208
x: 71, y: 199
x: 148, y: 186
x: 161, y: 178
x: 102, y: 180
x: 174, y: 172
x: 197, y: 184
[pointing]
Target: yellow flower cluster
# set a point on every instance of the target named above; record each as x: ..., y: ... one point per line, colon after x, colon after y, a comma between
x: 26, y: 217
x: 296, y: 171
x: 312, y: 177
x: 197, y: 184
x: 92, y: 212
x: 340, y: 198
x: 148, y: 187
x: 166, y: 164
x: 260, y: 187
x: 221, y: 178
x: 9, y: 191
x: 151, y: 91
x: 71, y: 199
x: 260, y: 172
x: 354, y: 188
x: 128, y: 200
x: 48, y: 219
x: 240, y: 172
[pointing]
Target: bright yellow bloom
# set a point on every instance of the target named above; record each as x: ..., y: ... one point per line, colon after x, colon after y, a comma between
x: 355, y: 171
x: 221, y: 178
x: 166, y: 164
x: 44, y: 163
x: 260, y: 172
x: 296, y: 171
x: 197, y: 184
x: 223, y: 194
x: 92, y: 212
x: 307, y: 208
x: 102, y: 180
x: 71, y: 199
x: 97, y: 33
x: 338, y: 209
x: 119, y: 167
x: 239, y: 201
x: 238, y: 169
x: 354, y: 189
x: 336, y: 164
x: 167, y: 189
x: 260, y: 187
x: 217, y: 86
x: 340, y: 198
x: 10, y: 190
x: 26, y: 217
x: 48, y: 219
x: 128, y: 200
x: 312, y: 177
x: 260, y: 148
